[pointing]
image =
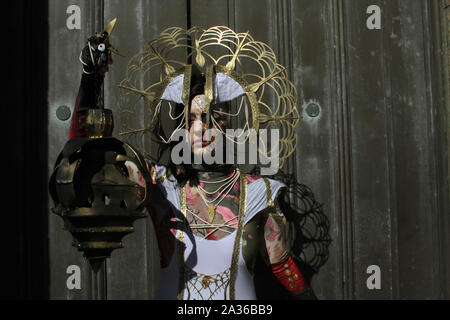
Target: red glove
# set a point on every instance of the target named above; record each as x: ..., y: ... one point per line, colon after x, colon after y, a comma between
x: 289, y: 275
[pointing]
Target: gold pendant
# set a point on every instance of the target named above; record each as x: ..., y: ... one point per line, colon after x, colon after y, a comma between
x: 211, y: 212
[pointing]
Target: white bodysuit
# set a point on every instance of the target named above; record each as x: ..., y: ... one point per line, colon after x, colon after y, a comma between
x: 208, y: 262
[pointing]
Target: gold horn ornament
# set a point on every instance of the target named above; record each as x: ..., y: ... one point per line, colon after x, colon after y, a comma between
x: 107, y: 33
x: 110, y: 27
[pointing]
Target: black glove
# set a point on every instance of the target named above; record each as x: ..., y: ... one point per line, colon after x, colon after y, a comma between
x: 96, y: 56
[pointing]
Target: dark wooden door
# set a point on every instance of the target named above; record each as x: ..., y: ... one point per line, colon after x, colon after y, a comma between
x: 371, y: 141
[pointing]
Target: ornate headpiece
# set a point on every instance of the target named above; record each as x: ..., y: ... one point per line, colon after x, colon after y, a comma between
x: 236, y: 69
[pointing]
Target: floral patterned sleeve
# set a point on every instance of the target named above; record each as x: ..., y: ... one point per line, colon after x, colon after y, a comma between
x: 282, y: 265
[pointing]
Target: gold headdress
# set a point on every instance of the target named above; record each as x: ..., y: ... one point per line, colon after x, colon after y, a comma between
x: 234, y: 66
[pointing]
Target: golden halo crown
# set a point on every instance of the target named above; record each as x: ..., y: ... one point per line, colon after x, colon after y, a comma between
x: 163, y: 71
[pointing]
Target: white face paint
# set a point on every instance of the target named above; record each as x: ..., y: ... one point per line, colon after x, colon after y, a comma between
x: 201, y: 145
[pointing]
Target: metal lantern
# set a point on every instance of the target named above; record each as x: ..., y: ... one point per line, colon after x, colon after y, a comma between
x: 92, y: 192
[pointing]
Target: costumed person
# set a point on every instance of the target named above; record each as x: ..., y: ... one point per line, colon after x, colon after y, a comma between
x: 219, y: 224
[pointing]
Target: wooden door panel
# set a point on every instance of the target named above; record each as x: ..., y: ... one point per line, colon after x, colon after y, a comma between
x: 133, y: 271
x: 369, y: 143
x: 64, y: 80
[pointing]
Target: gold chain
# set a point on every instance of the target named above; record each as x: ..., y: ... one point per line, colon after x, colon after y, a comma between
x: 236, y: 246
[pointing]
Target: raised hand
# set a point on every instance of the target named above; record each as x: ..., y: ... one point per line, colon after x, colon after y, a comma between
x: 96, y: 55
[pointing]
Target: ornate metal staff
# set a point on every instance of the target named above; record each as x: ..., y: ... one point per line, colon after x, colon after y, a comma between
x: 92, y: 191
